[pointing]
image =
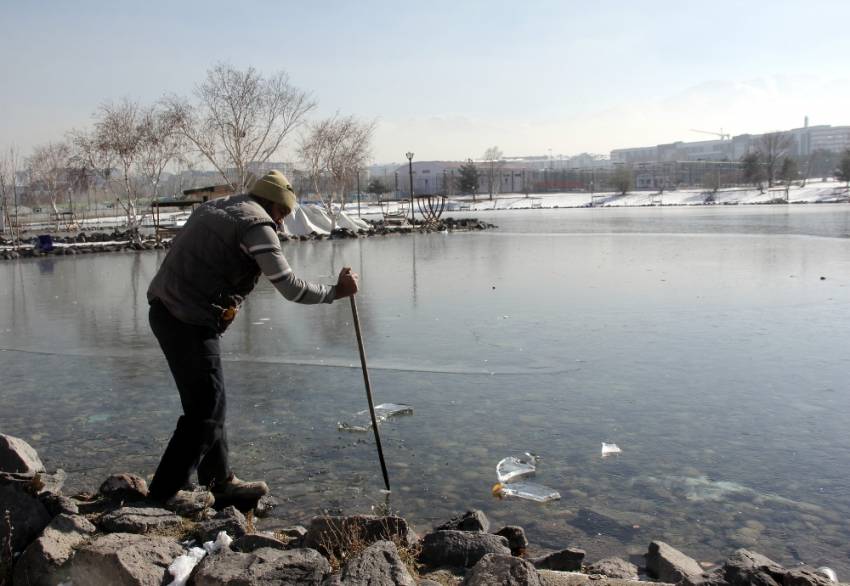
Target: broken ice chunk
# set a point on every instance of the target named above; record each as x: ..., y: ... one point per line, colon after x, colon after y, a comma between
x: 529, y: 491
x: 610, y: 449
x: 362, y: 421
x: 512, y: 467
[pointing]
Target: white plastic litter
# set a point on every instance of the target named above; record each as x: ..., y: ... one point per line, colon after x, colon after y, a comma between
x: 610, y: 449
x: 362, y: 421
x: 183, y: 565
x: 222, y: 541
x: 512, y: 468
x: 529, y: 491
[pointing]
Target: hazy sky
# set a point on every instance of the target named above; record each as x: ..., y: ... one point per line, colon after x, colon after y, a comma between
x: 447, y: 79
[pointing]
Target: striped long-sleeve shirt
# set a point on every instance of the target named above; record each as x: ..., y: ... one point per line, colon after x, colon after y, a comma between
x: 263, y: 245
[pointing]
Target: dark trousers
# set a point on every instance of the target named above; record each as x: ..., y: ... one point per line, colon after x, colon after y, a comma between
x: 199, y: 442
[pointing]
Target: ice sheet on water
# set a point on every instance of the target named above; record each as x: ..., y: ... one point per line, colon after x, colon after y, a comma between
x: 610, y: 449
x: 362, y: 421
x: 529, y: 491
x: 511, y: 468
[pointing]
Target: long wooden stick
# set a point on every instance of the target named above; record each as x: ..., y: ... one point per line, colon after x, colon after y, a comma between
x: 369, y: 391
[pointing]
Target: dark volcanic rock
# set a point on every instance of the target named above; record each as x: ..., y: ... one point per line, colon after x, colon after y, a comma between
x: 58, y: 504
x: 748, y: 567
x: 460, y: 548
x: 505, y: 570
x: 517, y: 540
x: 141, y: 520
x: 16, y: 455
x: 45, y: 560
x: 255, y: 541
x: 27, y: 515
x: 228, y: 519
x: 666, y: 563
x: 338, y: 533
x: 263, y: 567
x: 124, y: 487
x: 470, y: 521
x: 614, y: 568
x: 377, y: 565
x: 124, y: 558
x: 566, y: 560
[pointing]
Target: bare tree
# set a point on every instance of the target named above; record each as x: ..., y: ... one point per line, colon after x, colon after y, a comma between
x: 118, y: 130
x: 239, y: 118
x: 160, y: 145
x: 753, y: 169
x: 788, y: 173
x: 91, y: 155
x: 48, y: 168
x: 622, y: 179
x: 493, y: 157
x: 335, y: 148
x: 843, y: 171
x: 9, y: 164
x: 772, y: 148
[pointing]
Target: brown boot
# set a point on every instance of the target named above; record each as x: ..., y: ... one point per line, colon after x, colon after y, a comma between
x: 235, y: 489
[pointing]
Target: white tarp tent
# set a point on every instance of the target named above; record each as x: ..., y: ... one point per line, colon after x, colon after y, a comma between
x: 319, y: 216
x: 352, y: 223
x: 299, y: 224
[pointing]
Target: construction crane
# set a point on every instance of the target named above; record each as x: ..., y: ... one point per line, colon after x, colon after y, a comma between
x: 721, y: 134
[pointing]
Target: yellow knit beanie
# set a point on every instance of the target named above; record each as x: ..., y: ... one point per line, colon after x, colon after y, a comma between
x: 274, y: 186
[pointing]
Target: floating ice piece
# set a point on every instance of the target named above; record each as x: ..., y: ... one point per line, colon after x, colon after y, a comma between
x: 527, y: 490
x: 362, y: 421
x: 222, y: 541
x: 610, y: 449
x: 183, y: 565
x: 511, y: 468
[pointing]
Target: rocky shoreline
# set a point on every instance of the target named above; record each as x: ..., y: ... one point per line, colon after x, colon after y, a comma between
x: 119, y: 536
x: 100, y: 242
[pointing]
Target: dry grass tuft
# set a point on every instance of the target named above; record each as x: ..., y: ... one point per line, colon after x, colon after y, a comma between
x: 6, y: 557
x: 345, y: 542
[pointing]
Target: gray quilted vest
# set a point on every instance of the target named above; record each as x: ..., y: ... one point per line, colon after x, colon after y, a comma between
x: 206, y: 272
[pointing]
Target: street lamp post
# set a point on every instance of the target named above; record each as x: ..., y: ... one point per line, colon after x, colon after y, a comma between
x: 409, y: 156
x: 358, y: 193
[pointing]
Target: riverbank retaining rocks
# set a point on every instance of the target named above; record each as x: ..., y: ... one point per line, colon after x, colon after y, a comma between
x: 50, y: 538
x: 98, y: 242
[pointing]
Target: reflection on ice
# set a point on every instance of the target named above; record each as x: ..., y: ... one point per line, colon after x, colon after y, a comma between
x: 362, y: 421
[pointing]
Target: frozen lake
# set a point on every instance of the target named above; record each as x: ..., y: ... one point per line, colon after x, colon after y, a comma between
x: 704, y: 342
